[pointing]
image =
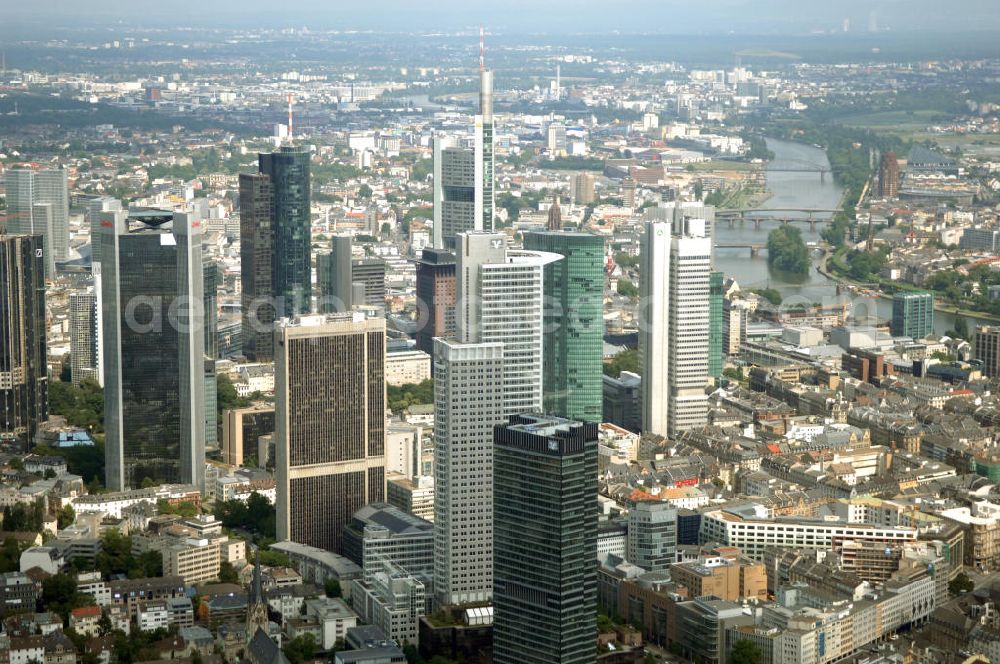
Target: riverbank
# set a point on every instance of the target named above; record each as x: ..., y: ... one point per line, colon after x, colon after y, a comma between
x: 943, y: 307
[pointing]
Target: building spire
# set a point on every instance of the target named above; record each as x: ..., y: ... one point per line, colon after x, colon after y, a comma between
x: 256, y: 605
x: 482, y: 49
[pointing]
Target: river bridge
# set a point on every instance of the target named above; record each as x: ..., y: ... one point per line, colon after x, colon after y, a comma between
x: 754, y: 247
x: 782, y: 215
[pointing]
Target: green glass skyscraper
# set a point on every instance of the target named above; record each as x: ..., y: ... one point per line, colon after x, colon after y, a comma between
x: 574, y: 323
x: 715, y: 354
x: 912, y: 314
x: 544, y: 541
x: 288, y: 170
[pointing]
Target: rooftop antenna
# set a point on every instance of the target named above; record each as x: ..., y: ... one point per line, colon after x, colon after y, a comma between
x: 482, y: 50
x: 290, y: 99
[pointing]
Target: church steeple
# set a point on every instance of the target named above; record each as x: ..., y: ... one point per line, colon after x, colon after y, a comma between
x: 555, y: 214
x: 256, y: 604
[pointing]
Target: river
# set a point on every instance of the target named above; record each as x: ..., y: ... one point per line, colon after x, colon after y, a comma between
x: 798, y: 190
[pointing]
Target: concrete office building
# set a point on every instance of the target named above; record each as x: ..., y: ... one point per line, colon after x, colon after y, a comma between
x: 381, y: 532
x: 912, y: 314
x: 84, y: 351
x: 986, y: 349
x: 652, y: 535
x: 574, y: 323
x: 545, y: 538
x: 23, y: 359
x: 256, y: 265
x: 583, y: 189
x: 38, y: 204
x: 154, y: 349
x: 654, y: 328
x: 690, y: 313
x: 500, y: 299
x: 329, y: 424
x: 242, y: 428
x: 346, y: 282
x: 291, y: 268
x: 468, y: 402
x: 435, y: 293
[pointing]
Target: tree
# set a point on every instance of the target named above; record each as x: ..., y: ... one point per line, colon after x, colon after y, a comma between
x: 699, y: 190
x: 772, y: 295
x: 745, y: 651
x: 961, y: 584
x: 627, y: 360
x: 364, y: 191
x: 332, y: 588
x: 59, y: 595
x: 227, y: 573
x: 65, y: 517
x: 786, y: 251
x: 627, y: 289
x: 300, y: 649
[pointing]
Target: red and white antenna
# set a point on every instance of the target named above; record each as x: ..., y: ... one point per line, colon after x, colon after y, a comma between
x: 482, y: 50
x: 290, y: 100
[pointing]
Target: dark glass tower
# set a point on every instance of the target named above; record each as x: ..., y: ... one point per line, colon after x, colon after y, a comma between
x: 154, y: 349
x: 544, y: 541
x: 716, y: 281
x: 23, y: 367
x: 288, y: 170
x: 574, y: 323
x: 210, y: 283
x: 256, y: 259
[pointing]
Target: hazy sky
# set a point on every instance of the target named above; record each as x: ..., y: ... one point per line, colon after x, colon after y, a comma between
x: 527, y: 16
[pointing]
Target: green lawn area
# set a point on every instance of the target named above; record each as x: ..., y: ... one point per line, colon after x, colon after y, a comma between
x: 899, y: 121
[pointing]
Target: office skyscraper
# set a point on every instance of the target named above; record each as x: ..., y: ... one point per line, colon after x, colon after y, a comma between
x: 912, y: 314
x: 457, y: 191
x: 688, y: 338
x: 484, y: 147
x: 256, y: 265
x: 468, y: 402
x: 436, y: 296
x: 574, y: 323
x: 23, y: 361
x: 291, y: 269
x: 653, y: 318
x: 83, y: 348
x: 38, y: 204
x: 154, y: 349
x: 583, y: 189
x: 888, y: 176
x: 111, y: 217
x: 329, y: 424
x: 716, y: 358
x: 210, y: 289
x: 346, y: 282
x: 500, y: 299
x: 545, y: 541
x: 96, y: 207
x: 652, y: 535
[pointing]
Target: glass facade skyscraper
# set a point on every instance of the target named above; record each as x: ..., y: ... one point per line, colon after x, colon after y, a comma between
x: 545, y: 541
x: 288, y: 170
x: 716, y: 281
x: 154, y: 349
x: 256, y: 265
x: 912, y: 314
x: 574, y: 323
x: 23, y: 361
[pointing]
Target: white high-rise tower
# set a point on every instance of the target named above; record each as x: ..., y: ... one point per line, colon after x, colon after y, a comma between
x: 500, y: 296
x: 484, y: 143
x: 654, y: 298
x: 690, y: 267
